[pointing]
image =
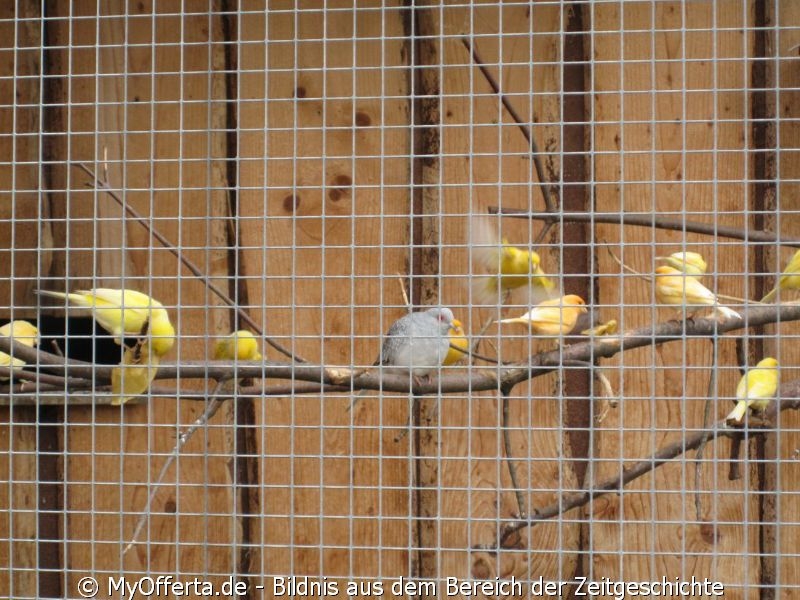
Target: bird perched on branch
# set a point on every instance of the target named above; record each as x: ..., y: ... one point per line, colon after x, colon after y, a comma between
x: 552, y: 317
x: 125, y: 313
x: 690, y: 263
x: 756, y: 389
x: 675, y: 288
x: 19, y: 331
x: 509, y: 268
x: 459, y: 344
x: 607, y: 328
x: 789, y: 280
x: 417, y: 343
x: 135, y: 373
x: 240, y: 345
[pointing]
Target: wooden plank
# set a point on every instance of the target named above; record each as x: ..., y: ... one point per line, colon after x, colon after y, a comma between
x: 23, y: 232
x: 698, y: 136
x: 785, y: 217
x: 167, y: 154
x: 486, y: 161
x: 325, y: 160
x: 24, y: 228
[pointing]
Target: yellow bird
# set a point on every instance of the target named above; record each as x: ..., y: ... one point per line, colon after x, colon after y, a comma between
x: 124, y: 313
x: 135, y: 373
x: 690, y: 263
x: 19, y: 331
x: 789, y: 280
x: 459, y: 340
x: 756, y: 388
x: 508, y: 267
x: 553, y: 317
x: 240, y: 345
x: 607, y: 328
x: 675, y: 288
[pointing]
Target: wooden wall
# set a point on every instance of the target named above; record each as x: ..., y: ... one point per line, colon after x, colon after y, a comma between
x: 290, y: 154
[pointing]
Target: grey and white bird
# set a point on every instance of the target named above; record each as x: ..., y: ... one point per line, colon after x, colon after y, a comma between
x: 416, y: 343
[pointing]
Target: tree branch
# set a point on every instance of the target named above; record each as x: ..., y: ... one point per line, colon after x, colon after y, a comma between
x: 789, y: 399
x: 649, y: 220
x: 550, y: 199
x: 492, y: 378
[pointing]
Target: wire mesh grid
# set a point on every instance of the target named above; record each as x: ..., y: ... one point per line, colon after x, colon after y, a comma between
x: 320, y: 174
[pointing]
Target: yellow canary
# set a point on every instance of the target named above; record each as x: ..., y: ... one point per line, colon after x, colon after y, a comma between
x: 675, y: 288
x: 690, y: 263
x: 789, y: 280
x: 124, y: 313
x: 459, y: 340
x: 133, y: 376
x: 553, y: 317
x: 756, y: 388
x: 240, y: 345
x: 19, y: 331
x: 508, y: 267
x: 607, y: 328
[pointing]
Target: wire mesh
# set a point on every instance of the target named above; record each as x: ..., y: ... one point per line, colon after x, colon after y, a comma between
x: 314, y: 172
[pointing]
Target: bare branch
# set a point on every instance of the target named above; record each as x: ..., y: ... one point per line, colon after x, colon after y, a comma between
x: 550, y: 199
x: 649, y: 220
x: 789, y: 400
x: 504, y: 377
x: 102, y: 184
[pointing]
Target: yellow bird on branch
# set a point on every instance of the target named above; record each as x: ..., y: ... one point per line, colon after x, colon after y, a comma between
x: 552, y: 317
x: 675, y: 288
x: 459, y: 344
x: 789, y: 280
x: 690, y: 263
x: 135, y: 373
x: 240, y: 345
x: 125, y: 313
x: 19, y: 331
x: 756, y: 389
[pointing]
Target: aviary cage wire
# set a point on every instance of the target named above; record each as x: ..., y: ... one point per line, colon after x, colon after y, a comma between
x: 309, y: 172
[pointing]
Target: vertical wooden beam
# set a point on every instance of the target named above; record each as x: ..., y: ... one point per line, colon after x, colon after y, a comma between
x: 576, y: 256
x: 426, y: 208
x: 764, y: 199
x: 242, y: 413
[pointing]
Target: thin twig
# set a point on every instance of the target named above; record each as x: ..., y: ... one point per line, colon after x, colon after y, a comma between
x: 102, y: 184
x: 214, y: 402
x: 512, y: 468
x: 649, y: 220
x: 550, y: 201
x: 698, y: 458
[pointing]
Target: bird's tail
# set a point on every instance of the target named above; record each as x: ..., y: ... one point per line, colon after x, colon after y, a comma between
x: 519, y: 320
x: 728, y: 313
x: 737, y: 414
x: 50, y: 294
x: 771, y: 295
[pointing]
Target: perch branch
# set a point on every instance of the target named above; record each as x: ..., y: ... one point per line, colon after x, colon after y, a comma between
x: 567, y: 502
x: 536, y: 365
x: 649, y: 220
x: 102, y: 184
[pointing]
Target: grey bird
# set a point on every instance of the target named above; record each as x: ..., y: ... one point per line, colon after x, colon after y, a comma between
x: 417, y: 343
